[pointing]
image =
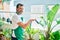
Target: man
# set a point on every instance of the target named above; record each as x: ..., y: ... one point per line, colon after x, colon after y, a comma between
x: 18, y: 25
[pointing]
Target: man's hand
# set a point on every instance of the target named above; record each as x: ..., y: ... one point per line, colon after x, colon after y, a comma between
x: 32, y: 20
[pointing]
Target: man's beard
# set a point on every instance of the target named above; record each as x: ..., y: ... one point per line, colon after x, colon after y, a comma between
x: 19, y: 13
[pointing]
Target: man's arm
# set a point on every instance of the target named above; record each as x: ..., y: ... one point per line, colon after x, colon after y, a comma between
x: 26, y: 24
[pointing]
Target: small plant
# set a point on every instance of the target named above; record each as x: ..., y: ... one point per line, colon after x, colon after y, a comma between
x: 6, y: 32
x: 31, y: 32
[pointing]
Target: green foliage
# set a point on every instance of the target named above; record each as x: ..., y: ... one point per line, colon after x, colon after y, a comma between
x: 28, y: 29
x: 51, y: 14
x: 1, y: 24
x: 31, y: 31
x: 56, y: 35
x: 41, y: 36
x: 51, y: 36
x: 58, y: 21
x: 7, y: 32
x: 50, y: 17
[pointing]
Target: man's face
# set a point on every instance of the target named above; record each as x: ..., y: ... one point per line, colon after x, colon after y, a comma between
x: 19, y: 9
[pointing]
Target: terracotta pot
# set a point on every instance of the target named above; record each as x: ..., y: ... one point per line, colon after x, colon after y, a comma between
x: 2, y: 37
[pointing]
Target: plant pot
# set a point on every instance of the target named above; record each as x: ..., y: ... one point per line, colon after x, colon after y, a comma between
x: 2, y: 37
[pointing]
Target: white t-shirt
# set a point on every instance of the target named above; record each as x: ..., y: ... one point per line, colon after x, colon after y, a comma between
x: 15, y: 19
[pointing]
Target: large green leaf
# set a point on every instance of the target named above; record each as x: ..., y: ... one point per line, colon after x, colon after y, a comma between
x: 51, y: 14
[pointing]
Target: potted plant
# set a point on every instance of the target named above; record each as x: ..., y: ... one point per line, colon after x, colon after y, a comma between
x: 5, y: 30
x: 50, y: 17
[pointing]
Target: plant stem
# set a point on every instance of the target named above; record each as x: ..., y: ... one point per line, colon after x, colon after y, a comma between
x: 53, y: 27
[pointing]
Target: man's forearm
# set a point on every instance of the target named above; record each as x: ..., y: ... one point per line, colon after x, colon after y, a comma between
x: 27, y: 23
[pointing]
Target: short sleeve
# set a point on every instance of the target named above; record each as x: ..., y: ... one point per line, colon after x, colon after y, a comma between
x: 15, y: 19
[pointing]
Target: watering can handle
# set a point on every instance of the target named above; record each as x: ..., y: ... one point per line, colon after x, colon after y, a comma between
x: 36, y: 21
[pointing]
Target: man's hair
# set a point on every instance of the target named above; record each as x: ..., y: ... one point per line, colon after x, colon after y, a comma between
x: 19, y: 4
